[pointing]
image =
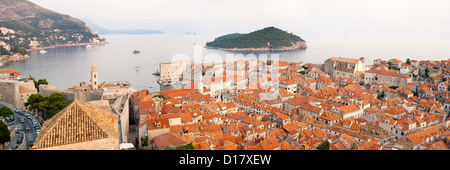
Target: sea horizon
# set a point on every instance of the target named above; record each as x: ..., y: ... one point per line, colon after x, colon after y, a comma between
x: 116, y: 62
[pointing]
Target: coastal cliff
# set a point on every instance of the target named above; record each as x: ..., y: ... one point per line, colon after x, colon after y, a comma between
x: 267, y: 39
x: 30, y: 27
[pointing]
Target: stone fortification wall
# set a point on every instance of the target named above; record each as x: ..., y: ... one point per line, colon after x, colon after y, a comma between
x: 47, y: 90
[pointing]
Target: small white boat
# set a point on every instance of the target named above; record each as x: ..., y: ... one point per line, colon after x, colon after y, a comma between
x: 42, y: 51
x: 89, y: 46
x: 137, y: 68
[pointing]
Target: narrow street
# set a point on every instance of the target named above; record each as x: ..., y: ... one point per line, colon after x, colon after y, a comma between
x: 21, y: 128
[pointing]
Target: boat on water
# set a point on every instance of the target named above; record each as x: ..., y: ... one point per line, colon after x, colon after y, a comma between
x: 42, y: 51
x: 136, y: 52
x: 157, y: 73
x: 89, y: 46
x: 137, y: 68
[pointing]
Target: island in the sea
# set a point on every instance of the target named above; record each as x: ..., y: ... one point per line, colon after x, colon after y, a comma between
x: 267, y: 39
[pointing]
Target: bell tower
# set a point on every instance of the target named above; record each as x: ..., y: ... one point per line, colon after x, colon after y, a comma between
x: 94, y: 77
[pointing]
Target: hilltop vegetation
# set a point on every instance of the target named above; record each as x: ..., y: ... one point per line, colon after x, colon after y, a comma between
x: 270, y: 37
x: 34, y: 26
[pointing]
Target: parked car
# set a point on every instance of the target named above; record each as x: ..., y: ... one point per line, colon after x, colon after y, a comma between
x: 31, y: 142
x: 11, y: 118
x: 20, y: 138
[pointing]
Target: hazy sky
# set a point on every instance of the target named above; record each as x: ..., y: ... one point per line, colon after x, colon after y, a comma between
x: 422, y: 19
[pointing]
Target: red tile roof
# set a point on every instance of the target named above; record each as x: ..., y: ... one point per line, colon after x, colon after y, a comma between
x: 167, y: 140
x: 10, y: 71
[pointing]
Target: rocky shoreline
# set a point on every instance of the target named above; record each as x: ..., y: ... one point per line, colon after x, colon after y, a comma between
x: 12, y: 58
x: 67, y: 45
x: 295, y: 46
x: 18, y: 57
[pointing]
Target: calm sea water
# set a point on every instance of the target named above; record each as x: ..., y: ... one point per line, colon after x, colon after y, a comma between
x: 67, y: 66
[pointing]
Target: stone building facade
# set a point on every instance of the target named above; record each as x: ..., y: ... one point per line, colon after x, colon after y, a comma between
x: 344, y: 67
x: 387, y: 77
x: 170, y: 72
x: 16, y: 92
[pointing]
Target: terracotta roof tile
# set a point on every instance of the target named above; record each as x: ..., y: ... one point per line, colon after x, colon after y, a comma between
x: 349, y: 108
x: 23, y: 89
x: 168, y: 139
x: 78, y: 122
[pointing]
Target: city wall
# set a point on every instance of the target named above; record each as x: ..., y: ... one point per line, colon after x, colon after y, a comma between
x: 47, y: 90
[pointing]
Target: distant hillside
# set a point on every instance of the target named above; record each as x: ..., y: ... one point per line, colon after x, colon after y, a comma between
x: 34, y: 27
x: 103, y: 31
x: 267, y: 39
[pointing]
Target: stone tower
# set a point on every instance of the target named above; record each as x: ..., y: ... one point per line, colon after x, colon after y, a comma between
x: 200, y: 84
x: 94, y: 77
x: 269, y: 68
x: 363, y: 60
x: 269, y: 64
x: 82, y: 92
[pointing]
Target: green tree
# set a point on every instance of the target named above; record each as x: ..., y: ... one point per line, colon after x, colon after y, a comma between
x: 33, y: 102
x: 3, y: 51
x: 256, y: 39
x: 48, y: 105
x: 53, y: 103
x: 18, y: 49
x: 42, y: 81
x: 57, y: 106
x: 181, y: 147
x: 408, y: 61
x: 160, y: 96
x: 186, y: 147
x: 6, y: 112
x: 39, y: 82
x: 393, y: 87
x: 4, y: 134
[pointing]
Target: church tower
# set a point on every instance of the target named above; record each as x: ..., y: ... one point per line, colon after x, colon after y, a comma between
x: 94, y: 77
x: 269, y: 68
x: 269, y: 64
